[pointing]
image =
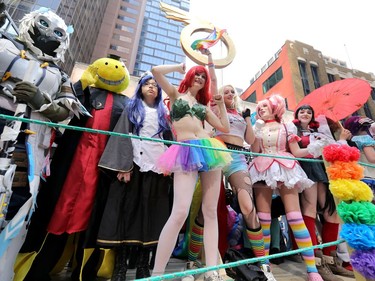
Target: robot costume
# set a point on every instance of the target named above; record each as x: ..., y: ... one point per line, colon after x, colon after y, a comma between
x: 34, y: 87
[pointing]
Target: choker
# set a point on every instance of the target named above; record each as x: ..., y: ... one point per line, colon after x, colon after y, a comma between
x: 269, y: 121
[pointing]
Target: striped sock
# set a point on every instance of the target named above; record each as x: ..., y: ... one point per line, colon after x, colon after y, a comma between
x: 265, y: 222
x: 303, y: 239
x: 257, y: 243
x: 196, y: 241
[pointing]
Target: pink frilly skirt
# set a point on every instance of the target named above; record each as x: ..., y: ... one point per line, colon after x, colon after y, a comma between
x: 189, y: 158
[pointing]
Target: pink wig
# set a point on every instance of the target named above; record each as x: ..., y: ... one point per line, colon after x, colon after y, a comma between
x: 204, y: 94
x: 275, y: 104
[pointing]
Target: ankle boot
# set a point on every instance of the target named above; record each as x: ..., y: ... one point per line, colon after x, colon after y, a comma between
x: 335, y: 264
x: 143, y: 264
x: 323, y: 268
x: 121, y: 264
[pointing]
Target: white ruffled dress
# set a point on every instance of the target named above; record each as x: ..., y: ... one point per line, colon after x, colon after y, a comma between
x: 275, y: 171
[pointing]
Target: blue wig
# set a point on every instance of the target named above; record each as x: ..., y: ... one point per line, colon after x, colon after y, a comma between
x: 136, y: 110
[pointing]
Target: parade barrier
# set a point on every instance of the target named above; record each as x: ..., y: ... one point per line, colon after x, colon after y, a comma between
x: 359, y: 254
x: 238, y: 263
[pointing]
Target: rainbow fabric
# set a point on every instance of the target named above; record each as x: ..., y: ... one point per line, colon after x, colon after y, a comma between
x: 209, y: 41
x: 191, y: 158
x: 355, y: 209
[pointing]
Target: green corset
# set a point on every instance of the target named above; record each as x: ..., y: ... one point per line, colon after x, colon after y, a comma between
x: 181, y: 107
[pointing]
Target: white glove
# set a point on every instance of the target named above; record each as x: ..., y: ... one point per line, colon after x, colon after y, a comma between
x: 316, y: 148
x: 259, y: 124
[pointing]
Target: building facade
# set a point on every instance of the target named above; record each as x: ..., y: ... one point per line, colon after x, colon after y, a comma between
x: 297, y: 69
x: 139, y: 32
x: 85, y: 16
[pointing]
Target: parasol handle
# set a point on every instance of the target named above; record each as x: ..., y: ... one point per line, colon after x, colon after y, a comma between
x: 340, y: 125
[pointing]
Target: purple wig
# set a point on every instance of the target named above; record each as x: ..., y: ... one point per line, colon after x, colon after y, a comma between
x: 354, y: 126
x: 136, y: 111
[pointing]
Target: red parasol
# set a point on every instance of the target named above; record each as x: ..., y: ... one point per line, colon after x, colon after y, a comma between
x: 338, y: 99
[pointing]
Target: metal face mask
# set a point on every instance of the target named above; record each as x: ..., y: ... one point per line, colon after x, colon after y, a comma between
x: 46, y: 34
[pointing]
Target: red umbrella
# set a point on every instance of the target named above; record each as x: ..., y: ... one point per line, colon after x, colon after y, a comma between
x: 338, y: 99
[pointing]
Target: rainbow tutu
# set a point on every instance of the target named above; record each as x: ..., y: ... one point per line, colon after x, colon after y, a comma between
x: 190, y: 158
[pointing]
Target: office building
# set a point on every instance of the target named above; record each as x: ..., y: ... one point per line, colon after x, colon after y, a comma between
x: 135, y: 30
x: 139, y: 32
x: 297, y: 69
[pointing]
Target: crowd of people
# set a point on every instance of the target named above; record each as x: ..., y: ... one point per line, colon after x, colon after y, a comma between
x: 133, y: 195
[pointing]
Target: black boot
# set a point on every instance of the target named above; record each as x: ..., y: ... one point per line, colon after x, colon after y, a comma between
x: 153, y: 254
x: 121, y: 264
x: 133, y: 256
x: 143, y: 264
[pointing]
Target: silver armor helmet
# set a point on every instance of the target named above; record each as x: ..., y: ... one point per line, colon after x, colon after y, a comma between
x: 45, y: 34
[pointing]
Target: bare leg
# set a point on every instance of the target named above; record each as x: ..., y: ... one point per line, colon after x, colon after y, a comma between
x: 309, y: 201
x: 322, y: 191
x: 210, y: 196
x: 184, y: 184
x: 241, y: 184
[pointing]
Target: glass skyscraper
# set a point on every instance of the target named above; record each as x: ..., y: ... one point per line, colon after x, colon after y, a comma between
x: 136, y: 30
x: 159, y: 42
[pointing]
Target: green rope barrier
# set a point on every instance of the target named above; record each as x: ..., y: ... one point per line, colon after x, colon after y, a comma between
x: 200, y: 270
x: 96, y: 131
x: 238, y: 263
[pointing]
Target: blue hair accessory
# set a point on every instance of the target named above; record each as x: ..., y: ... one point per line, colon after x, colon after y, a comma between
x: 70, y: 29
x: 43, y: 10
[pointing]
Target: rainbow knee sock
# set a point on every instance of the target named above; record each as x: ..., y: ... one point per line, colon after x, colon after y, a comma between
x: 303, y: 239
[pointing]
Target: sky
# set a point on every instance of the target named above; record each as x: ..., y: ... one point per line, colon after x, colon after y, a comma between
x: 342, y: 29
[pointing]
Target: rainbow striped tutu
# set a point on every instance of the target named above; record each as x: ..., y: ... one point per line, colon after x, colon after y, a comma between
x: 190, y: 158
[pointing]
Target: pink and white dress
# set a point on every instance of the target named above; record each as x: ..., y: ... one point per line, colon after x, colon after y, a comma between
x: 276, y: 171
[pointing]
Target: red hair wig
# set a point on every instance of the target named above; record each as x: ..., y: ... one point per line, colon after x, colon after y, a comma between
x: 203, y: 95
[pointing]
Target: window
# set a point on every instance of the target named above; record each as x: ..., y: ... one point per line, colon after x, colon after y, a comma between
x: 331, y: 77
x: 120, y: 49
x: 276, y: 77
x: 286, y: 104
x: 304, y: 80
x: 315, y: 75
x: 126, y: 19
x: 124, y: 28
x: 129, y: 10
x: 367, y: 110
x: 121, y: 38
x: 133, y: 2
x: 373, y: 93
x: 252, y: 98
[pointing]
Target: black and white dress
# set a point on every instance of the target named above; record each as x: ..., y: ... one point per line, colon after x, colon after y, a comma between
x: 136, y: 211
